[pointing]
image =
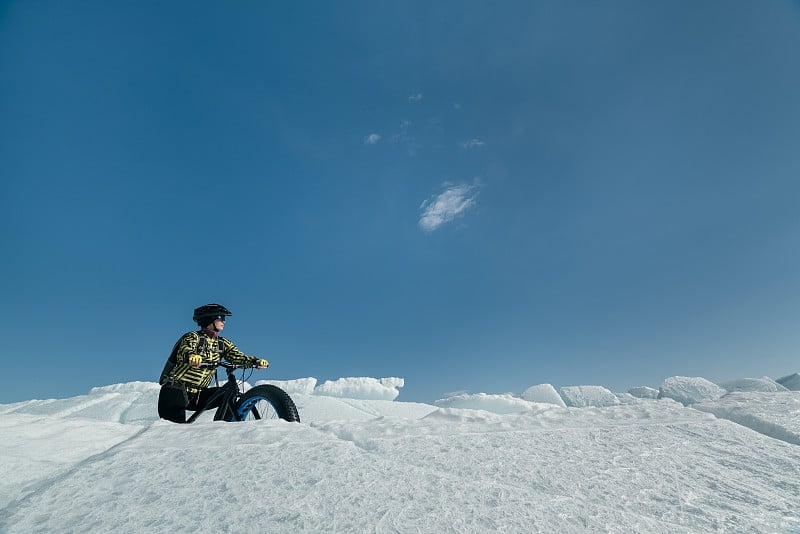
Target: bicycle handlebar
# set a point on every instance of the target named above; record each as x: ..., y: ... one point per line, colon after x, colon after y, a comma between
x: 230, y: 366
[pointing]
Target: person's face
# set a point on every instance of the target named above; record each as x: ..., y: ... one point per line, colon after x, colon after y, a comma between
x: 219, y: 324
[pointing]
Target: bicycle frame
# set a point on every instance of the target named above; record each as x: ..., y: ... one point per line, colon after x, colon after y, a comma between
x: 229, y: 392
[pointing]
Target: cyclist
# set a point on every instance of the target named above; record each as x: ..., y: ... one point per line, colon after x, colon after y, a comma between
x: 184, y: 383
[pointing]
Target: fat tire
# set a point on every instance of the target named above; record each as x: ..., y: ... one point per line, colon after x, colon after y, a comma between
x: 280, y: 401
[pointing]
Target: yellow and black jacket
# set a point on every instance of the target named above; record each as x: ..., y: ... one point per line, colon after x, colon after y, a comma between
x: 210, y: 349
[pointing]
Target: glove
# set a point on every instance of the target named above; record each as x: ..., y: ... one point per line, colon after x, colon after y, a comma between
x: 195, y: 360
x: 261, y: 364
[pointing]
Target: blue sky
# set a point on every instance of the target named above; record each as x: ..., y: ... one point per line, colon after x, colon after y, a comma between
x: 471, y: 196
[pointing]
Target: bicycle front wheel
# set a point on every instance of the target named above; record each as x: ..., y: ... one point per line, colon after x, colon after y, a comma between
x: 265, y: 402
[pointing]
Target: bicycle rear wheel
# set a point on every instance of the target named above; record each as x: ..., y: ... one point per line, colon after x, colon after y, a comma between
x: 265, y: 402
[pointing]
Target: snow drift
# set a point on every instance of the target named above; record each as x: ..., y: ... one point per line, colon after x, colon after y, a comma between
x: 102, y: 462
x: 364, y: 388
x: 790, y: 382
x: 545, y: 393
x: 690, y: 390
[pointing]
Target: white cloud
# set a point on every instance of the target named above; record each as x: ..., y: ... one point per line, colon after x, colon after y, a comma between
x: 472, y: 143
x: 415, y: 98
x: 371, y: 139
x: 442, y: 208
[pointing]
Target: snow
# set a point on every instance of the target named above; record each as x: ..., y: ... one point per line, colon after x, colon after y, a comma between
x: 774, y: 414
x: 361, y: 388
x: 690, y: 390
x: 582, y: 396
x: 791, y: 382
x: 752, y: 384
x: 491, y: 403
x: 644, y: 392
x: 364, y: 388
x: 103, y: 462
x: 304, y: 386
x: 543, y: 393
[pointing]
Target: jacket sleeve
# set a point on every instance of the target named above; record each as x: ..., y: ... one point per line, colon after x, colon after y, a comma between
x: 232, y: 354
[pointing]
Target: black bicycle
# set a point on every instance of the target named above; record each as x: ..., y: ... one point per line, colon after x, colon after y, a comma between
x: 259, y: 402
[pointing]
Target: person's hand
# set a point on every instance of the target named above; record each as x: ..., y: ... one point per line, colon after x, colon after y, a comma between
x: 262, y: 364
x: 195, y: 360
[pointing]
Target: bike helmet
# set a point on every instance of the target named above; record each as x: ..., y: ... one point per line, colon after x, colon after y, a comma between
x: 205, y: 315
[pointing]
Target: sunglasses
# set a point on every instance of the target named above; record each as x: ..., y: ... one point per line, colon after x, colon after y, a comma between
x: 220, y: 318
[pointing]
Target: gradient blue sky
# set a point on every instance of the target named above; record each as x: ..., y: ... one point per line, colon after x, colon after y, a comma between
x: 474, y: 196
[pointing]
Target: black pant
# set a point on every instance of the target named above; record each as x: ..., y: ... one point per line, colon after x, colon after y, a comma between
x: 174, y: 400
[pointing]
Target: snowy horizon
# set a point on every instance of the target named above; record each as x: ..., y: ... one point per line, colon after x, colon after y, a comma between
x: 388, y: 388
x: 703, y: 458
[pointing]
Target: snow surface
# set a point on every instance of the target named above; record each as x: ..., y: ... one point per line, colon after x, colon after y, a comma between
x: 501, y: 404
x: 102, y: 462
x: 582, y: 396
x: 644, y: 392
x: 303, y: 385
x: 543, y: 393
x: 752, y: 384
x: 364, y: 388
x: 690, y: 390
x: 361, y: 388
x: 791, y: 382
